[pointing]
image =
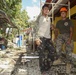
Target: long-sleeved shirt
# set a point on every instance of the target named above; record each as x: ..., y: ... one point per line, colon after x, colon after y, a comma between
x: 43, y: 27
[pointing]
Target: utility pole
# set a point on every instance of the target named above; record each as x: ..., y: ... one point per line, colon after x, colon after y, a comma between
x: 40, y: 4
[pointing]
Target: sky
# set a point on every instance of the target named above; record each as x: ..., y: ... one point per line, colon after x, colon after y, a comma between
x: 32, y: 7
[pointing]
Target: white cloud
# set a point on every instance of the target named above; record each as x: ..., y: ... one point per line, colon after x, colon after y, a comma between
x: 33, y: 11
x: 34, y: 0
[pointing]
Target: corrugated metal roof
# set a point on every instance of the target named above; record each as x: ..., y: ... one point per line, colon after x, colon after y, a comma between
x: 5, y: 19
x: 48, y: 0
x: 73, y: 3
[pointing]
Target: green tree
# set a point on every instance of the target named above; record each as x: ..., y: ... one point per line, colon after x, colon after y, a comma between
x: 22, y: 19
x: 13, y: 9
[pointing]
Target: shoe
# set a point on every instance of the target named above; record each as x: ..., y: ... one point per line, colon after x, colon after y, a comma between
x: 56, y: 62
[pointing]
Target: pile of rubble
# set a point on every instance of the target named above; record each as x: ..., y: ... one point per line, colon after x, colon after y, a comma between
x: 17, y: 61
x: 8, y: 59
x: 6, y: 62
